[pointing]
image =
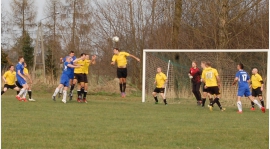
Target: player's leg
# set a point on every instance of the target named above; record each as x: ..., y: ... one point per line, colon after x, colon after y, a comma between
x: 154, y: 93
x: 25, y: 92
x: 65, y: 88
x: 82, y: 88
x: 259, y: 93
x: 124, y: 80
x: 196, y: 92
x: 85, y: 92
x: 239, y: 104
x: 163, y: 96
x: 22, y: 83
x: 119, y: 76
x: 60, y: 92
x: 253, y: 93
x: 19, y: 86
x: 4, y: 89
x: 30, y: 92
x: 58, y: 88
x: 217, y: 101
x: 247, y: 93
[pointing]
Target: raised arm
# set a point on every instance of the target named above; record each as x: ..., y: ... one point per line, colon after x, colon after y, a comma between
x: 134, y: 57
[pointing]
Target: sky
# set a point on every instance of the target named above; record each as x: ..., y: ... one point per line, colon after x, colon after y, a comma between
x: 38, y: 3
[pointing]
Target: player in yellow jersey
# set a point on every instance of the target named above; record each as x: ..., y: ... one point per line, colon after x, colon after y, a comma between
x: 121, y: 59
x: 9, y: 80
x: 257, y: 86
x: 211, y: 79
x: 88, y: 62
x: 78, y: 76
x: 160, y: 82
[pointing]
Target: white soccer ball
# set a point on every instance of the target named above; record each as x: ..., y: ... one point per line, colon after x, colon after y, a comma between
x: 115, y: 39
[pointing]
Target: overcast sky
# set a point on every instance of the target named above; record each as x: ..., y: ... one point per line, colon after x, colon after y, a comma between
x: 38, y: 3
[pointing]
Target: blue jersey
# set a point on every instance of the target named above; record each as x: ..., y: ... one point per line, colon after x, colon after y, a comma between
x: 243, y: 78
x: 19, y: 67
x: 67, y: 70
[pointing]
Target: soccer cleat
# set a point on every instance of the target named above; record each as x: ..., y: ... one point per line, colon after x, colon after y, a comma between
x: 53, y: 98
x: 64, y: 101
x: 24, y: 99
x: 84, y: 100
x: 19, y: 98
x: 252, y: 109
x: 263, y: 109
x: 239, y: 112
x: 31, y: 99
x: 78, y: 100
x: 124, y: 95
x: 199, y: 103
x: 210, y: 108
x: 223, y: 109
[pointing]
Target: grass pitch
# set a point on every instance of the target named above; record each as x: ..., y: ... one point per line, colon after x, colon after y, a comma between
x: 109, y: 122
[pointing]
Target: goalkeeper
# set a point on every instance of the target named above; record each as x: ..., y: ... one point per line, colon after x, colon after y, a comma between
x: 195, y: 76
x: 160, y: 82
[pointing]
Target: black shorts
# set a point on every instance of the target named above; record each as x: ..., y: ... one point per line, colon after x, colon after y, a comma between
x: 79, y: 77
x: 121, y: 72
x: 159, y: 90
x: 213, y: 90
x: 9, y: 86
x: 256, y: 92
x: 18, y: 84
x: 204, y: 89
x: 85, y: 78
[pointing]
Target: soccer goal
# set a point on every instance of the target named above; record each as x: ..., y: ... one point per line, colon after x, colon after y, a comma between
x: 176, y: 64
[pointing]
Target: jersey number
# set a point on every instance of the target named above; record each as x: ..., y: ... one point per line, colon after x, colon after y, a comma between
x: 244, y: 77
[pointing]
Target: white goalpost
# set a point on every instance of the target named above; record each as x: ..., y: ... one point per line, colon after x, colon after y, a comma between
x: 158, y: 52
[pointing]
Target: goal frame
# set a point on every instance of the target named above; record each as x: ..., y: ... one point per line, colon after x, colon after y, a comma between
x: 204, y: 51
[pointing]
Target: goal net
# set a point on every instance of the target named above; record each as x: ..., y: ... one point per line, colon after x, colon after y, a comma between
x: 176, y: 64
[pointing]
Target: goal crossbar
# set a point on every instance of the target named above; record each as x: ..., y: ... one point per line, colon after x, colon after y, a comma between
x: 205, y: 50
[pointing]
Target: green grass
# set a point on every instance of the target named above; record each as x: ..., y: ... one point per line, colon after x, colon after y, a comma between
x: 109, y: 122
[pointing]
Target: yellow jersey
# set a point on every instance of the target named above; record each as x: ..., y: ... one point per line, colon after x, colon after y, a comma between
x: 86, y: 66
x: 25, y: 71
x: 256, y: 81
x: 160, y: 79
x: 10, y: 77
x: 120, y: 58
x: 81, y: 68
x: 209, y: 76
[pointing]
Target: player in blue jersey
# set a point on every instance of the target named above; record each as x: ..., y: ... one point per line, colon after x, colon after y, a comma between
x: 243, y: 80
x: 65, y: 78
x: 71, y: 76
x: 21, y: 80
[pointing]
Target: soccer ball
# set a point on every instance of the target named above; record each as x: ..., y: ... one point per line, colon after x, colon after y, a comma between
x: 115, y: 39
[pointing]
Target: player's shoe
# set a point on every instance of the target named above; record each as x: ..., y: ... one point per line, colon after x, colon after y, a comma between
x: 31, y: 99
x: 24, y: 99
x: 124, y: 95
x: 199, y: 103
x: 53, y: 98
x: 78, y: 100
x: 84, y: 100
x: 263, y: 109
x: 19, y: 98
x: 64, y: 101
x: 210, y: 108
x: 239, y: 112
x: 223, y: 109
x: 252, y: 109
